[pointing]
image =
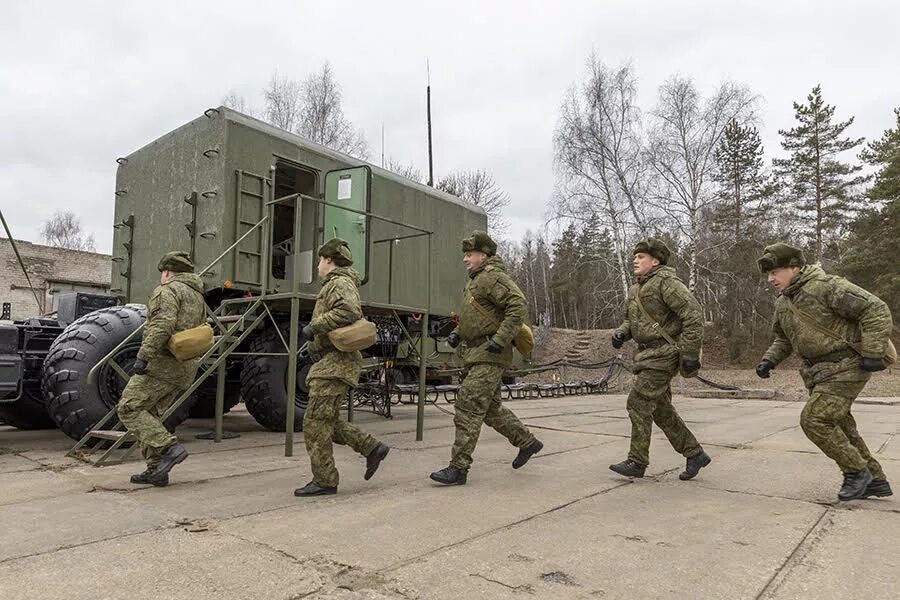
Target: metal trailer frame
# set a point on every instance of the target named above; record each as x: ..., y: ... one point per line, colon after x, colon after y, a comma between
x: 228, y: 342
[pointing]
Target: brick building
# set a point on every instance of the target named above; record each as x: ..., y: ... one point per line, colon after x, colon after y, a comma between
x: 52, y: 270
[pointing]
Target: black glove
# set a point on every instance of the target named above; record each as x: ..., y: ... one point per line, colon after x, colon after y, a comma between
x: 140, y: 366
x: 763, y: 368
x: 494, y: 348
x: 872, y: 364
x: 690, y: 366
x: 306, y: 333
x: 618, y: 339
x: 453, y: 340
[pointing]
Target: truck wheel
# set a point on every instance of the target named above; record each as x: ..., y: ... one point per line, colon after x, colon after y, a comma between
x: 205, y: 397
x: 29, y: 412
x: 264, y: 382
x: 74, y: 405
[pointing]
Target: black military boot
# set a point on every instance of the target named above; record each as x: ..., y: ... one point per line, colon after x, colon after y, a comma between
x: 855, y: 485
x: 311, y: 489
x: 449, y: 476
x: 373, y: 460
x: 628, y: 468
x: 694, y: 464
x: 879, y: 488
x: 144, y: 479
x: 526, y: 453
x: 173, y: 455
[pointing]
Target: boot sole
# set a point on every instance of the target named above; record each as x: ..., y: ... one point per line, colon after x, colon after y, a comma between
x: 685, y: 476
x: 457, y: 482
x: 322, y: 493
x: 632, y: 475
x: 380, y: 456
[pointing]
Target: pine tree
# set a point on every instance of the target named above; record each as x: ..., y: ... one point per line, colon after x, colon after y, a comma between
x: 743, y: 185
x: 566, y: 257
x: 820, y: 185
x: 873, y: 246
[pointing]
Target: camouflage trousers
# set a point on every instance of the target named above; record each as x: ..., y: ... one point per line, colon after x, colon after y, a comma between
x: 649, y: 402
x: 479, y: 402
x: 140, y: 409
x: 827, y: 422
x: 322, y: 427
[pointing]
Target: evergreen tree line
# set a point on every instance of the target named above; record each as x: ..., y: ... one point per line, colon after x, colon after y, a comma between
x: 694, y: 172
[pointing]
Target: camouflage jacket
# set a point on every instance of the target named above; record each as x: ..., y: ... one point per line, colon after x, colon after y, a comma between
x: 491, y: 287
x: 337, y: 305
x: 676, y: 310
x: 846, y: 309
x: 174, y: 306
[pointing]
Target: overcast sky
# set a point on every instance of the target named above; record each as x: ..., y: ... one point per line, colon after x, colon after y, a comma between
x: 82, y: 83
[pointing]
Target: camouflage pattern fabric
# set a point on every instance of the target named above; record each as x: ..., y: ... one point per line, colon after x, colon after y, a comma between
x: 650, y: 401
x: 174, y: 306
x: 323, y: 427
x: 479, y: 402
x: 140, y: 409
x: 493, y: 289
x: 676, y: 310
x: 656, y: 361
x: 830, y: 369
x: 337, y: 305
x: 850, y: 311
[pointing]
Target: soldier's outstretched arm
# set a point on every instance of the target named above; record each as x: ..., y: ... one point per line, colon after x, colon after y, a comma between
x: 781, y: 346
x: 873, y: 315
x: 162, y: 312
x: 343, y: 307
x: 679, y: 298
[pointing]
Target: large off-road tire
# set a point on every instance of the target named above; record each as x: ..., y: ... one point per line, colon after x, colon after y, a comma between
x: 205, y: 397
x: 264, y: 382
x: 29, y: 412
x: 75, y: 405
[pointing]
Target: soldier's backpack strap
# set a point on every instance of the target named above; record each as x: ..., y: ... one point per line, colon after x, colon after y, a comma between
x: 656, y: 326
x: 890, y: 354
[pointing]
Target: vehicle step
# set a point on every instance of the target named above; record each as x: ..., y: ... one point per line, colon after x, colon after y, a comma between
x: 107, y: 434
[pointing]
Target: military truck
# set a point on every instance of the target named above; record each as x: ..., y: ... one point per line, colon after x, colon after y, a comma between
x: 206, y: 187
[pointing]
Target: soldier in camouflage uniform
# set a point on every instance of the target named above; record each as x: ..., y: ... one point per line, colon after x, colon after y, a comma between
x: 674, y: 316
x: 811, y: 304
x: 333, y: 374
x: 488, y: 353
x: 159, y: 378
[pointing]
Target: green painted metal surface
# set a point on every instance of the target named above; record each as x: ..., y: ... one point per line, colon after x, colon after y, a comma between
x: 234, y: 163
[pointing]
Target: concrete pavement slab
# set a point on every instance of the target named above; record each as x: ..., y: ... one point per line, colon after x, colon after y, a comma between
x: 851, y: 554
x: 14, y: 463
x: 31, y: 485
x: 666, y: 544
x: 53, y: 523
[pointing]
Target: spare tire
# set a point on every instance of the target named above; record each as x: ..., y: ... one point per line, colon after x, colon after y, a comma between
x: 75, y: 405
x: 29, y: 411
x: 264, y: 382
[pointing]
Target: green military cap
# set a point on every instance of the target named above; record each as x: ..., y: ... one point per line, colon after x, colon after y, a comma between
x: 655, y: 247
x: 780, y: 255
x: 176, y: 261
x: 337, y: 250
x: 479, y: 241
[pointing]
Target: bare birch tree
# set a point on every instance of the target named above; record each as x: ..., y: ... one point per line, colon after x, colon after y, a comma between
x: 283, y: 102
x: 322, y: 118
x: 63, y: 230
x: 600, y: 164
x: 409, y: 171
x: 478, y: 187
x: 683, y: 141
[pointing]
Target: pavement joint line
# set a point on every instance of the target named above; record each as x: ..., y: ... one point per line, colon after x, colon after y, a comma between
x: 507, y: 526
x: 884, y: 445
x: 768, y: 435
x: 527, y: 588
x: 91, y: 542
x: 799, y: 552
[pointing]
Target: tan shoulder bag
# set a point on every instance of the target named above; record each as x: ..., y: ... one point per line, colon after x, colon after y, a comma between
x: 524, y: 339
